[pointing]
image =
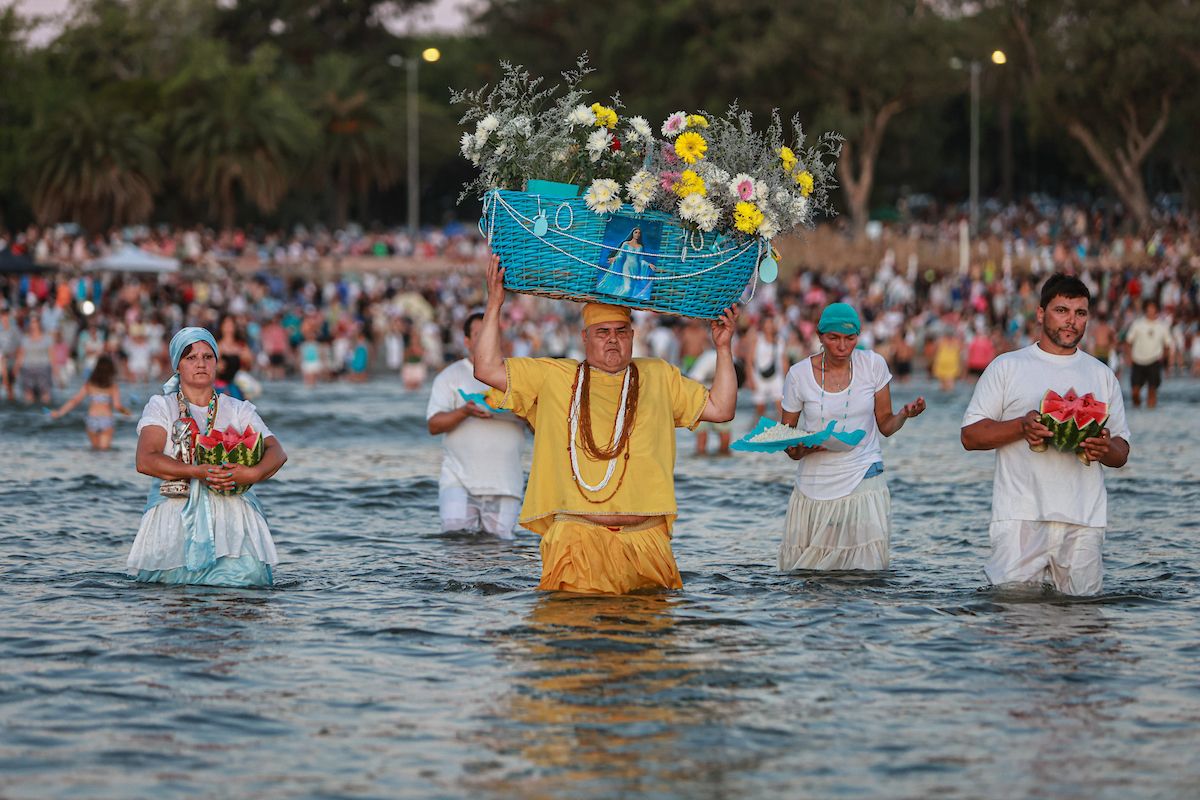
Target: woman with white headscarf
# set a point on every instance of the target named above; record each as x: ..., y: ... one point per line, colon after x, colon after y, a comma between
x: 189, y: 534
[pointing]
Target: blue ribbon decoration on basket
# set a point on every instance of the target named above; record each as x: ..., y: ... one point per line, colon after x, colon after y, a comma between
x: 848, y: 439
x: 550, y: 245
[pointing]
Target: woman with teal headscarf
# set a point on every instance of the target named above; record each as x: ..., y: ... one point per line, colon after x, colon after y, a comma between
x: 189, y: 534
x: 840, y: 514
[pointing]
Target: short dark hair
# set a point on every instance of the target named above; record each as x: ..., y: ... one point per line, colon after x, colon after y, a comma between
x: 1060, y: 285
x: 470, y: 320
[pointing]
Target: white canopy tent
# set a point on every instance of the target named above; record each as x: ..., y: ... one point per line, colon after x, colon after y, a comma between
x: 133, y: 259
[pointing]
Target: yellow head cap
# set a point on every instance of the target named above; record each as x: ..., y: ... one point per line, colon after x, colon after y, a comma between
x: 595, y: 313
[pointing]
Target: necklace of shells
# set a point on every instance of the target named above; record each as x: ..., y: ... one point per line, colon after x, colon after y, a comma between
x: 622, y: 427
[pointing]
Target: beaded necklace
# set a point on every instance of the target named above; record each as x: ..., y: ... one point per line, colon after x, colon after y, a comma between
x: 210, y: 416
x: 615, y: 444
x: 846, y: 408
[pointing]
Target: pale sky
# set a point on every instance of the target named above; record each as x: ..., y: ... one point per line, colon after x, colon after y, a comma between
x: 442, y: 16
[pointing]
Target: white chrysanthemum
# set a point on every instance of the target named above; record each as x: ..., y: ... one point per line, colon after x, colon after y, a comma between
x: 481, y: 135
x: 708, y: 217
x: 762, y: 193
x: 641, y: 189
x: 639, y: 130
x: 598, y: 143
x: 674, y: 124
x: 799, y: 207
x: 489, y: 123
x: 642, y: 181
x: 640, y: 200
x: 769, y: 227
x: 581, y: 115
x: 467, y: 144
x: 603, y: 196
x: 699, y: 210
x: 519, y: 126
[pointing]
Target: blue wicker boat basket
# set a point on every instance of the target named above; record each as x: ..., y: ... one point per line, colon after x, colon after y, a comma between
x: 555, y: 246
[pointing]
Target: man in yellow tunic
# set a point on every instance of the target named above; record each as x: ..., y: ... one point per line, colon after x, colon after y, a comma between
x: 601, y: 492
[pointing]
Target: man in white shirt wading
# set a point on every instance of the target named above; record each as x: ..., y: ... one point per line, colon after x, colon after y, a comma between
x: 482, y: 480
x: 1149, y: 343
x: 1049, y: 509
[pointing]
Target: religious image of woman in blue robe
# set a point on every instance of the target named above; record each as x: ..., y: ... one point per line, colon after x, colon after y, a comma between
x: 628, y: 270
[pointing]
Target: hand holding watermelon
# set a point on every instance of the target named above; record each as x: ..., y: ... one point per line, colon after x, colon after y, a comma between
x: 240, y: 450
x: 1072, y: 423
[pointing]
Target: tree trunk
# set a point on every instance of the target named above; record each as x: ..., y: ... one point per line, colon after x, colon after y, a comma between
x: 341, y: 201
x: 228, y: 209
x: 1122, y: 166
x: 857, y: 174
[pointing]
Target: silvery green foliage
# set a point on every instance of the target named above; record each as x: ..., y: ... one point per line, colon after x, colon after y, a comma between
x: 522, y: 130
x: 735, y: 148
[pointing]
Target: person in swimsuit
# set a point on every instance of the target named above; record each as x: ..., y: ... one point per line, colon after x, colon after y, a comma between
x: 103, y: 397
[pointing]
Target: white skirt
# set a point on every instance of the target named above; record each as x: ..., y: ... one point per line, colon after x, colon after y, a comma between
x: 846, y: 533
x: 238, y: 530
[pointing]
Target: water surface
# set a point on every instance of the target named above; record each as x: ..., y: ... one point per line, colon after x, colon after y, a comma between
x: 393, y: 661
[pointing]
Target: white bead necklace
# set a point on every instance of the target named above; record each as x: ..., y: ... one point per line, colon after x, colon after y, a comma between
x: 846, y: 408
x: 618, y: 427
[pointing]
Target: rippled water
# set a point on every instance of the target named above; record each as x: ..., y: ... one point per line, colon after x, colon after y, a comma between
x: 392, y: 661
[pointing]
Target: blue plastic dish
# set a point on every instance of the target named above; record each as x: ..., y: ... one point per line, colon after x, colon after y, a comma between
x: 837, y: 441
x: 478, y: 399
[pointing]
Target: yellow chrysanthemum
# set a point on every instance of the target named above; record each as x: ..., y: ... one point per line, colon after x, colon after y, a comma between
x: 805, y: 181
x: 605, y: 116
x: 697, y: 121
x: 690, y: 183
x: 747, y: 217
x: 788, y: 158
x: 690, y: 146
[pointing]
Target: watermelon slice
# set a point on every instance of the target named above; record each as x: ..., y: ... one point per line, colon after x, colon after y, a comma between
x: 230, y: 447
x: 1071, y: 418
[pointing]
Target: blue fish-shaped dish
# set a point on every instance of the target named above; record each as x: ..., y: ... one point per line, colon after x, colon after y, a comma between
x: 478, y: 399
x: 836, y: 441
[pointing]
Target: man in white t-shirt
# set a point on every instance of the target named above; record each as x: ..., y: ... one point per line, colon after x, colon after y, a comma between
x: 1049, y: 509
x: 1149, y: 343
x: 482, y: 480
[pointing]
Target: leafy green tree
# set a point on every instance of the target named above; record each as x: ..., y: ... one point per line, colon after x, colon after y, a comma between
x: 234, y: 132
x: 1109, y: 73
x: 93, y: 164
x: 857, y: 65
x: 15, y: 106
x: 358, y: 148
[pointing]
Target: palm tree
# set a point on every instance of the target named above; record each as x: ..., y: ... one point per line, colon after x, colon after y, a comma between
x: 235, y: 134
x: 357, y: 151
x: 93, y: 165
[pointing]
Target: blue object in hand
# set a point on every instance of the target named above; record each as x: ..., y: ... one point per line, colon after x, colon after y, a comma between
x: 478, y: 399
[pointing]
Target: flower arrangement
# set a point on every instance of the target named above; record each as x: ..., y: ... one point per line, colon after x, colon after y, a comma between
x: 715, y: 173
x: 523, y: 130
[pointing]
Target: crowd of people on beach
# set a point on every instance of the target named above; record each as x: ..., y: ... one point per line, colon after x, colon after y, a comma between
x: 69, y: 246
x: 356, y: 325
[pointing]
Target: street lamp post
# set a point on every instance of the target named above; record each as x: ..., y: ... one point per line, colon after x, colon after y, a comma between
x: 974, y: 201
x: 430, y: 55
x: 414, y: 153
x: 976, y: 69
